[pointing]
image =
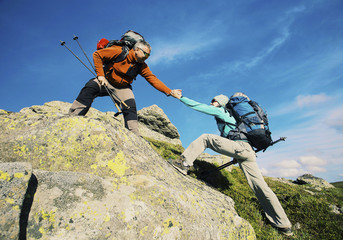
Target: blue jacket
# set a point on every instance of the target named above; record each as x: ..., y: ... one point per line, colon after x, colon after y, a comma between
x: 217, y: 112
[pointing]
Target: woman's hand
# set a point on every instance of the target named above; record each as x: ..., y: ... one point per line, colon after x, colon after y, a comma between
x: 176, y: 93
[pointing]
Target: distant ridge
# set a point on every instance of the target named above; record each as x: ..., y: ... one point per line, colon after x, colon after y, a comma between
x: 338, y: 184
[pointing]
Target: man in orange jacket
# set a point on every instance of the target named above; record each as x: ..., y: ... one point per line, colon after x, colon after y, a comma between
x: 118, y: 79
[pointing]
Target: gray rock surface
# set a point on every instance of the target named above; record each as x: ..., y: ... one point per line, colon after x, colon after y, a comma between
x: 314, y: 181
x: 336, y: 209
x: 14, y: 181
x: 155, y: 119
x: 96, y: 180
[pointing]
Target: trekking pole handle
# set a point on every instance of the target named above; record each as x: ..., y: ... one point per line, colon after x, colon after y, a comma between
x: 125, y: 105
x: 280, y: 139
x: 119, y: 111
x: 75, y: 38
x: 64, y: 44
x: 274, y: 142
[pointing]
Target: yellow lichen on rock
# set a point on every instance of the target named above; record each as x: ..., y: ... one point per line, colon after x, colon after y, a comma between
x: 118, y: 164
x: 19, y: 175
x: 169, y: 223
x: 4, y: 176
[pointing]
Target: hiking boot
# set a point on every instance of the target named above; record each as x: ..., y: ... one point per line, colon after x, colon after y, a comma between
x: 180, y: 165
x: 286, y: 231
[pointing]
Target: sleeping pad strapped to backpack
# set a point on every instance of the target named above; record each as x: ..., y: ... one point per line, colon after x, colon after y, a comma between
x: 251, y: 122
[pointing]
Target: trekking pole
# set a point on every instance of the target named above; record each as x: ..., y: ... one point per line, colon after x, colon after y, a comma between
x: 274, y: 142
x: 76, y: 39
x: 108, y: 91
x: 206, y: 173
x: 63, y: 43
x: 234, y: 161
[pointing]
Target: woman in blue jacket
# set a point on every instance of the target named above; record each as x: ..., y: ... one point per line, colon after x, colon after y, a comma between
x: 240, y: 150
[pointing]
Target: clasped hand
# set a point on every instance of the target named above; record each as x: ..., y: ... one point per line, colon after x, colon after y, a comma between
x: 176, y: 93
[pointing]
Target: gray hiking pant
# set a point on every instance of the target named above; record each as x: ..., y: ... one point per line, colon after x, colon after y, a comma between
x: 93, y: 89
x: 246, y: 158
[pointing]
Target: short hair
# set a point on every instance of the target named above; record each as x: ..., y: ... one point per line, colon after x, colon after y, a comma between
x: 141, y: 43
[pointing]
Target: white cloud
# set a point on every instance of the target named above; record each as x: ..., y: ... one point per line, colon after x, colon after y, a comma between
x: 264, y: 171
x: 294, y: 168
x: 289, y: 172
x: 314, y: 147
x: 288, y: 164
x: 335, y: 118
x: 311, y: 100
x: 286, y: 168
x: 316, y: 169
x: 314, y: 141
x: 312, y: 161
x: 242, y: 65
x: 303, y: 102
x: 181, y: 48
x: 284, y: 34
x: 296, y: 10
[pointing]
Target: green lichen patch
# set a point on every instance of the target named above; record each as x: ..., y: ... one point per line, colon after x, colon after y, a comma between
x: 166, y: 150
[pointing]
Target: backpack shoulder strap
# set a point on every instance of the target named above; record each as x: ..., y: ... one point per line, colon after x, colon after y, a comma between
x: 122, y: 55
x: 108, y: 65
x: 222, y: 121
x: 132, y: 72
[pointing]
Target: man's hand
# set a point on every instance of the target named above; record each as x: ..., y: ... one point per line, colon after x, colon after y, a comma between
x: 103, y: 81
x: 176, y: 93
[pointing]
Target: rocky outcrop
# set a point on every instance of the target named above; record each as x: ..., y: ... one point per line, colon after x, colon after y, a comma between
x: 155, y: 124
x: 336, y: 209
x: 93, y: 179
x: 155, y: 119
x: 316, y: 182
x: 14, y: 181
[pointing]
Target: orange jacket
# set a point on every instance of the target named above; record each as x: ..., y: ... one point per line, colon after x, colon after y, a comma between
x: 118, y: 76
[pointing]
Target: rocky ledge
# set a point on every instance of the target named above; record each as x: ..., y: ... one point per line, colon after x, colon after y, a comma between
x: 64, y: 177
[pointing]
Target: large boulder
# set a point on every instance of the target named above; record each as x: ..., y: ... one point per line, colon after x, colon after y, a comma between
x: 155, y: 119
x: 14, y: 181
x: 96, y: 180
x: 313, y: 181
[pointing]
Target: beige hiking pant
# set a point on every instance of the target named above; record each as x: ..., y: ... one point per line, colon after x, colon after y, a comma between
x: 246, y: 158
x: 93, y: 89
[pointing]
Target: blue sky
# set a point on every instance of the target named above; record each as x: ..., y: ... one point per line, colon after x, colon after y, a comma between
x: 286, y: 55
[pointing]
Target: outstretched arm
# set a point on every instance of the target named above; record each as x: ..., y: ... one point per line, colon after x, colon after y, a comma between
x: 201, y: 107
